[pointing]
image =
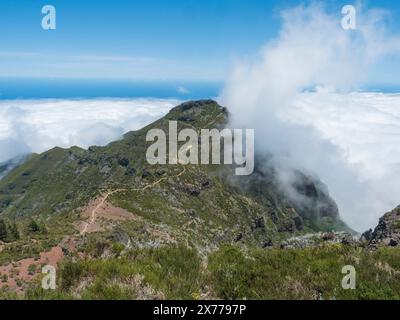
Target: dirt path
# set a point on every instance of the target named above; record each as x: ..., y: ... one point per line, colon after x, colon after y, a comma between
x: 93, y: 214
x: 94, y: 211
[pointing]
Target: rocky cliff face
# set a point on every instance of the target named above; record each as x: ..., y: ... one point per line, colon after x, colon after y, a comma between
x: 387, y: 232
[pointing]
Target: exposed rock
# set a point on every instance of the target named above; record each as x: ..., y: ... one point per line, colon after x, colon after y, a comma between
x: 317, y: 239
x: 239, y: 237
x: 329, y: 236
x: 219, y: 236
x: 161, y: 173
x: 316, y: 200
x: 146, y: 174
x: 298, y: 222
x: 274, y: 217
x: 120, y: 236
x: 194, y: 104
x: 192, y: 190
x: 287, y: 227
x: 130, y: 171
x: 205, y: 184
x: 348, y: 239
x: 367, y: 236
x: 105, y: 170
x: 191, y: 213
x: 387, y: 233
x: 124, y: 162
x: 305, y: 201
x: 267, y: 244
x: 258, y: 223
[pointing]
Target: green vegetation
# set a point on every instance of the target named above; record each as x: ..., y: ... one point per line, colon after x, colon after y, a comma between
x: 397, y: 225
x: 172, y: 273
x: 177, y: 272
x: 3, y: 231
x: 8, y: 231
x: 35, y: 227
x: 313, y: 273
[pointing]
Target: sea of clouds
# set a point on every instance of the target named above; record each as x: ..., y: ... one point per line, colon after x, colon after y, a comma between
x: 354, y: 147
x: 28, y: 126
x: 300, y: 93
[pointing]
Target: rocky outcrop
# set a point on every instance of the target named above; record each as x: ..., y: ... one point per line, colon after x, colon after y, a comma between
x: 318, y: 239
x: 311, y: 198
x: 193, y: 105
x: 387, y: 233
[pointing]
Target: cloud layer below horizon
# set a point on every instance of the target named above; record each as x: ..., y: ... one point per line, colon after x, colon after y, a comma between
x: 358, y: 152
x: 37, y: 125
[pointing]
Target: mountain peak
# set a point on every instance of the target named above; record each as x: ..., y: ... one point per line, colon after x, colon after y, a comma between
x: 61, y: 181
x: 195, y: 104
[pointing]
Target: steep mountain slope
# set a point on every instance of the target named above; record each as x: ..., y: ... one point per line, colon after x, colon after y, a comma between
x: 205, y: 204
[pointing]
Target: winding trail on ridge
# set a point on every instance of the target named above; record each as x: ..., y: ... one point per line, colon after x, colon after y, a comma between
x: 93, y: 214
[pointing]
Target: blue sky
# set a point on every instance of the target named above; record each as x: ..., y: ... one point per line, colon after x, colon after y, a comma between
x: 152, y: 39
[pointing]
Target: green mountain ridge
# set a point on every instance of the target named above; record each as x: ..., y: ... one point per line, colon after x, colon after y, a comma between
x: 218, y: 205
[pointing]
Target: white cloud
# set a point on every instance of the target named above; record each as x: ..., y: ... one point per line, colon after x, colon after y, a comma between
x: 348, y: 140
x: 362, y: 165
x: 38, y: 125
